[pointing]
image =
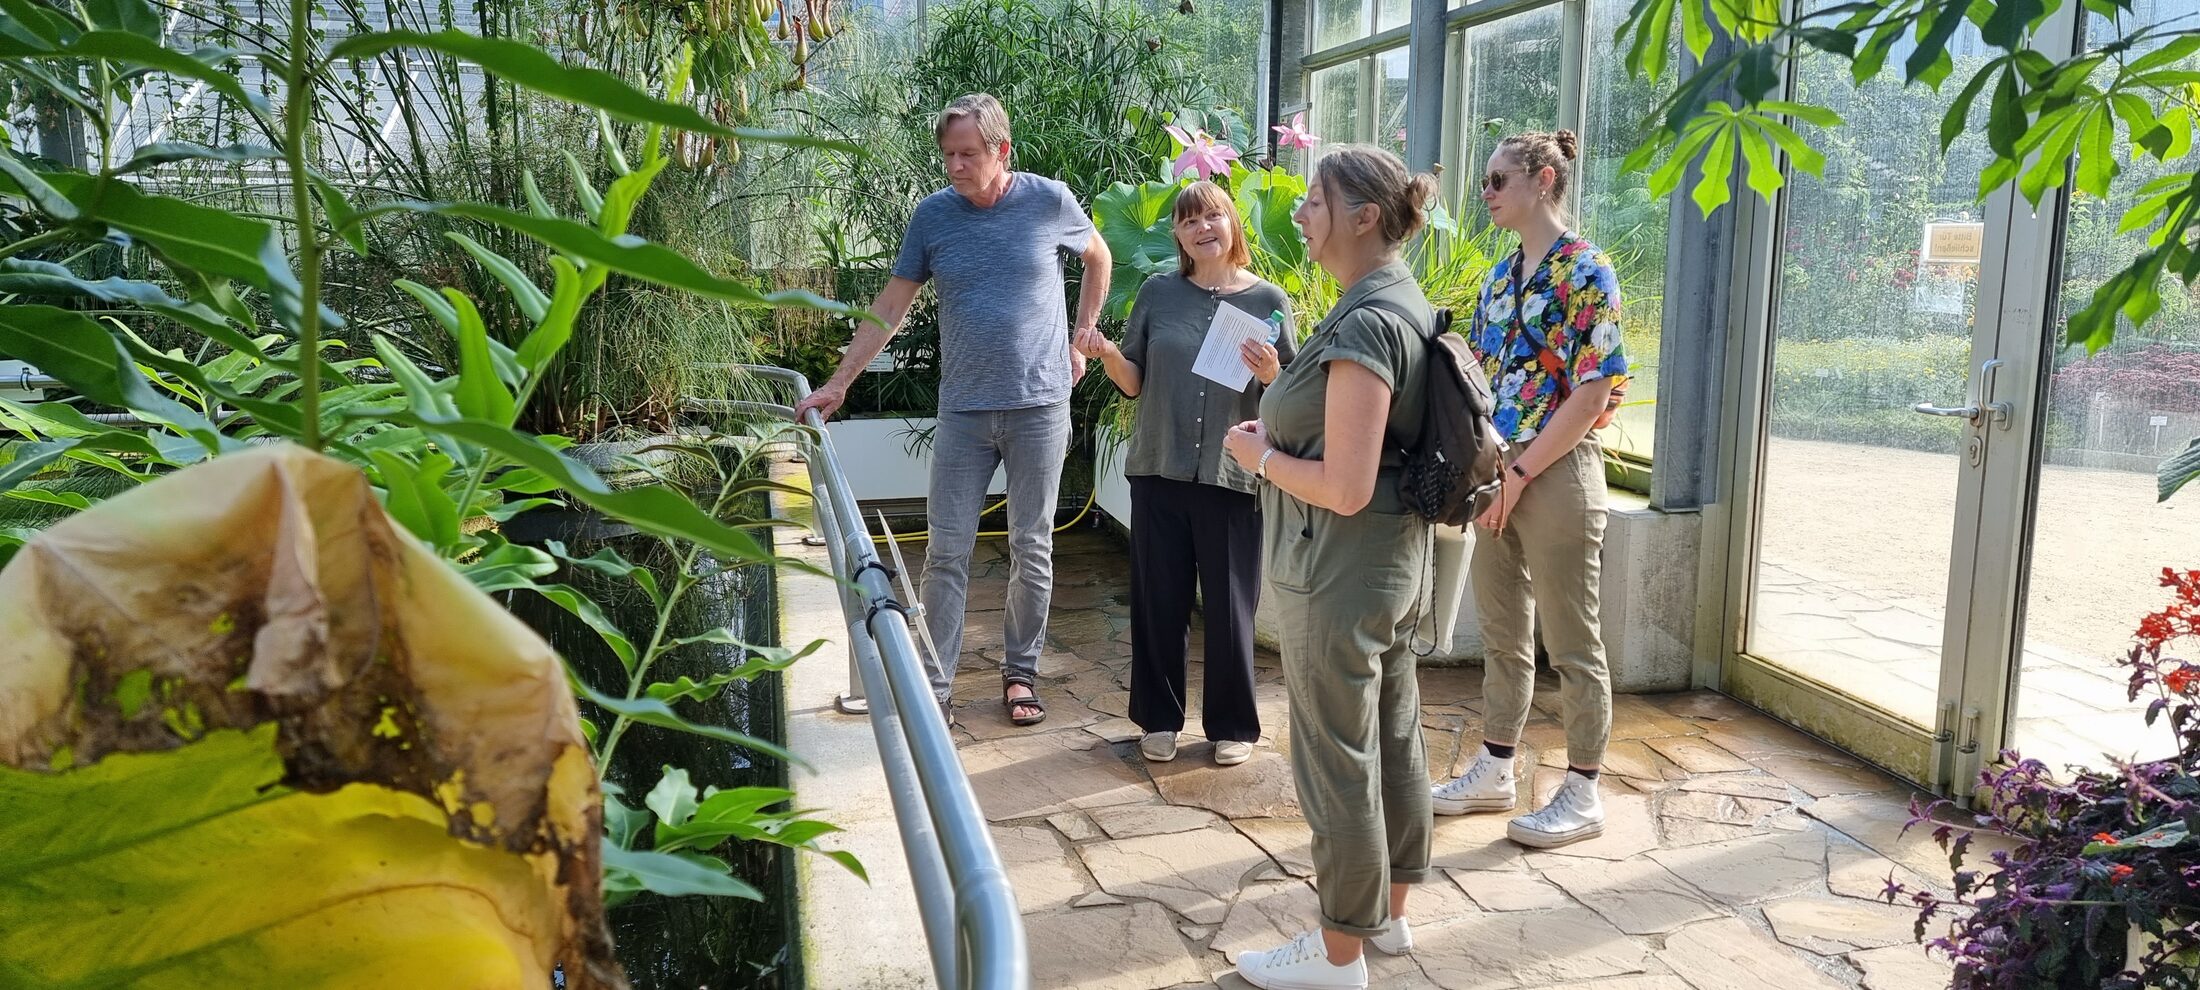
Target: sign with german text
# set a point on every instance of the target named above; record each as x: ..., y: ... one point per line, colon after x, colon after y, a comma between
x: 1954, y: 243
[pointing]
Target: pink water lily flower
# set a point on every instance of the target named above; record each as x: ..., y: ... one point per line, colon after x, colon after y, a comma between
x: 1294, y: 134
x: 1202, y: 156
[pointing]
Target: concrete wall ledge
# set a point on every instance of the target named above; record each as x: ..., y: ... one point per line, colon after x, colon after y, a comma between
x: 1648, y: 595
x: 1648, y: 601
x: 852, y: 934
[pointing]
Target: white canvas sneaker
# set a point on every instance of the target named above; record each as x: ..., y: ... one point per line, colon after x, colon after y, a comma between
x: 1575, y: 813
x: 1488, y: 785
x: 1159, y: 747
x: 1231, y: 752
x: 1397, y: 941
x: 1301, y: 964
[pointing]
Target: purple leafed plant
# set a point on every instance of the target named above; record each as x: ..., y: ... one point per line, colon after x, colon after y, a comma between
x: 2157, y: 376
x: 2095, y: 854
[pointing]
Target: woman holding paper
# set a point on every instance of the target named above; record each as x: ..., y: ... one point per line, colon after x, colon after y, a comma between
x: 1193, y: 515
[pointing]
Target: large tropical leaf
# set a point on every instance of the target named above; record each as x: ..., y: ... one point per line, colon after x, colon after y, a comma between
x: 626, y: 255
x: 531, y: 67
x: 196, y: 867
x: 652, y: 509
x: 44, y: 278
x: 306, y: 752
x: 207, y: 65
x: 1266, y: 200
x: 2177, y: 470
x: 200, y: 240
x: 166, y: 152
x: 1135, y: 221
x: 72, y: 348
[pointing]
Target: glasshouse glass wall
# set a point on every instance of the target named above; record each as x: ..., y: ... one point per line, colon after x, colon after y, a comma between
x: 2103, y: 538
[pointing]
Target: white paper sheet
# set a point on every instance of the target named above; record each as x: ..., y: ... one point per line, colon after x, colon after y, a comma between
x: 1222, y: 357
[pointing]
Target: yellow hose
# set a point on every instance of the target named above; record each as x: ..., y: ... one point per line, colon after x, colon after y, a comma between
x: 1090, y: 498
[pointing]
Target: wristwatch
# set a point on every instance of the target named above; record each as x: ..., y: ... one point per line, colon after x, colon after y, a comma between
x: 1521, y: 471
x: 1260, y: 470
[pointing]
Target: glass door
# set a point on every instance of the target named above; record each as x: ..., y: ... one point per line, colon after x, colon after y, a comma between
x: 1846, y: 603
x: 1872, y: 598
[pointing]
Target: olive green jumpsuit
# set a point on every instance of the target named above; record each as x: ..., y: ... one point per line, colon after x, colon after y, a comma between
x: 1346, y: 590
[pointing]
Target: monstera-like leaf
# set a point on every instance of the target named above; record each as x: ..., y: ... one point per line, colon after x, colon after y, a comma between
x: 1135, y: 221
x: 252, y: 733
x: 1266, y: 198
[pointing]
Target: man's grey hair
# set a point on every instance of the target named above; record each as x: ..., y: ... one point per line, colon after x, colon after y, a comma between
x: 980, y: 109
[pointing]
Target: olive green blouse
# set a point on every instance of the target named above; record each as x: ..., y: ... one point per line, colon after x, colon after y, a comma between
x: 1381, y: 324
x: 1182, y: 416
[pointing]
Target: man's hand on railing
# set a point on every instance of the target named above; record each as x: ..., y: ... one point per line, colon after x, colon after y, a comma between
x: 826, y: 400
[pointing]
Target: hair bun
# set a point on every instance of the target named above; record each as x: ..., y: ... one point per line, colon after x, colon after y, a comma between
x: 1421, y: 190
x: 1568, y: 144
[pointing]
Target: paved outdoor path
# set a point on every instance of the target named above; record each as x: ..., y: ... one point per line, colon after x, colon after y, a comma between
x: 1739, y: 854
x: 1852, y: 589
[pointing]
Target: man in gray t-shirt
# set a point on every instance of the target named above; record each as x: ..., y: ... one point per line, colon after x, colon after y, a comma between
x: 993, y: 244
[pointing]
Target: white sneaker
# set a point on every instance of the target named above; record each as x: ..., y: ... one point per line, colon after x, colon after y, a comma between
x: 1488, y: 785
x: 1231, y: 752
x: 1575, y: 813
x: 1397, y: 941
x: 1301, y: 964
x: 1159, y: 747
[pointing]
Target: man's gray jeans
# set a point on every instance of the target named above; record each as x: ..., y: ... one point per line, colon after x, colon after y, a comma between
x: 966, y: 448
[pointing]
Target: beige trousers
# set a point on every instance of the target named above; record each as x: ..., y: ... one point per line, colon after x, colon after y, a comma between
x: 1544, y: 569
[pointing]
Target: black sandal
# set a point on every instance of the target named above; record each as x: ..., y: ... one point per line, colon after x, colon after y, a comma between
x: 1014, y: 703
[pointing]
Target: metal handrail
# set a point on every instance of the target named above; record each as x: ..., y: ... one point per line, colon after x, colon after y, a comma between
x: 971, y: 922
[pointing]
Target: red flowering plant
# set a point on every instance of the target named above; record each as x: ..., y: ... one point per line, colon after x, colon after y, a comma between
x: 2101, y: 890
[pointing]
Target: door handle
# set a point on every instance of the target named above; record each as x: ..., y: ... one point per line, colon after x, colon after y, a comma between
x: 1979, y: 408
x: 1927, y: 408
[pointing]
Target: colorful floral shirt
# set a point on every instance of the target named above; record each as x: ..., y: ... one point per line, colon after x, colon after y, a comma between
x: 1571, y: 305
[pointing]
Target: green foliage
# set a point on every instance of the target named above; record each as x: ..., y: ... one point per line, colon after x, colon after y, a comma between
x: 2125, y: 104
x: 2047, y: 122
x: 440, y: 448
x: 2177, y: 470
x: 1450, y: 261
x: 1087, y: 85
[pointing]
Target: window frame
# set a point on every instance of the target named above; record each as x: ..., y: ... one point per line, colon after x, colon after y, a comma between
x: 1572, y: 94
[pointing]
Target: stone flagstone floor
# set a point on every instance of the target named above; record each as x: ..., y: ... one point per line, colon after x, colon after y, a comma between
x: 1739, y: 854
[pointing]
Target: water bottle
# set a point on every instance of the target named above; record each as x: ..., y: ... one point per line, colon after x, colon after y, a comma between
x: 1275, y: 326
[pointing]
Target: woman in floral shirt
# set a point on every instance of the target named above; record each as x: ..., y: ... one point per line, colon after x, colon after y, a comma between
x: 1548, y: 335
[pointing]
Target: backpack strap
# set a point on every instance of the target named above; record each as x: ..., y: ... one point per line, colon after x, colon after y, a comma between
x: 1438, y: 327
x: 1425, y: 601
x: 1554, y: 368
x: 1544, y: 355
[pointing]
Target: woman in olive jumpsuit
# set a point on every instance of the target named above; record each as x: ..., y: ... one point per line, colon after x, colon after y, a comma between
x: 1344, y: 564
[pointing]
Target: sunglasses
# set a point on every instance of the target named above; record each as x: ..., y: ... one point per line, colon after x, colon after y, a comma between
x: 1495, y: 181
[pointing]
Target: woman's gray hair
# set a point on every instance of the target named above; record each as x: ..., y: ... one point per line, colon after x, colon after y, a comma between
x: 980, y: 109
x: 1359, y: 174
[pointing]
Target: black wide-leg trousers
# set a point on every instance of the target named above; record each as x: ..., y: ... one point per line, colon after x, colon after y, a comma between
x: 1182, y: 532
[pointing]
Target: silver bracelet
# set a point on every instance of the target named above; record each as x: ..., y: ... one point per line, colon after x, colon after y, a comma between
x: 1260, y: 470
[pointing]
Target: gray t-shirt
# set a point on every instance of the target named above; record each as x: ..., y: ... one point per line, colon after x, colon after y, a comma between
x: 1004, y: 317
